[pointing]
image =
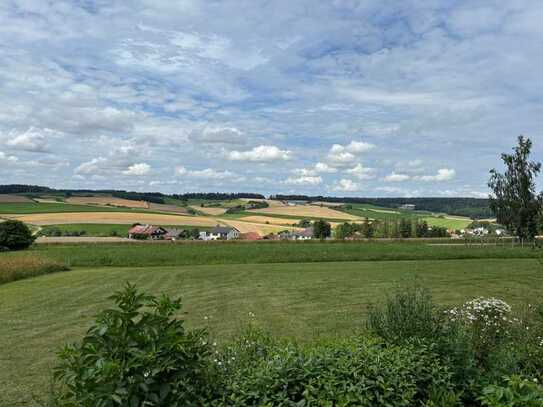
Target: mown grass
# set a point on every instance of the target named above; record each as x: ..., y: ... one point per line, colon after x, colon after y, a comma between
x: 19, y: 265
x: 102, y: 229
x: 196, y: 253
x: 302, y: 300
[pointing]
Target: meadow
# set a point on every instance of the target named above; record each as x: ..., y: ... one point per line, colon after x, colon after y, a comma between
x: 298, y: 299
x: 41, y: 207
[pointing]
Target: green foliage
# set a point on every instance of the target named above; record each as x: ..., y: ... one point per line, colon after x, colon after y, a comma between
x: 259, y: 370
x: 321, y: 229
x: 136, y: 354
x: 515, y: 200
x: 514, y: 392
x: 304, y: 223
x: 15, y: 235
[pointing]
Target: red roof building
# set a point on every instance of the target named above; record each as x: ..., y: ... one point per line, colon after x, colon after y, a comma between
x: 250, y: 236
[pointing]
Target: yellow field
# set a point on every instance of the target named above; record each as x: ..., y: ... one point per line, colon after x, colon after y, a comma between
x: 269, y: 219
x: 107, y: 200
x: 307, y: 211
x: 210, y: 211
x: 261, y: 229
x: 114, y: 218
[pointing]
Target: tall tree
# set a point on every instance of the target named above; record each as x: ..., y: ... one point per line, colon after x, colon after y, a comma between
x: 321, y: 229
x: 515, y: 202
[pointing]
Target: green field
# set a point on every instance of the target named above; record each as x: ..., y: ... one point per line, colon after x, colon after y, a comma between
x: 303, y: 300
x: 200, y: 253
x: 30, y: 207
x: 100, y: 229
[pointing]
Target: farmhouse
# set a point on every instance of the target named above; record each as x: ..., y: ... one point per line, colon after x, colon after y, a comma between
x: 147, y: 232
x: 407, y: 207
x: 220, y: 233
x: 305, y: 234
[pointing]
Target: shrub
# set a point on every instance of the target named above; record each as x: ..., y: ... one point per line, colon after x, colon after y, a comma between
x: 407, y: 313
x: 258, y: 370
x: 15, y: 235
x: 514, y: 392
x: 137, y: 354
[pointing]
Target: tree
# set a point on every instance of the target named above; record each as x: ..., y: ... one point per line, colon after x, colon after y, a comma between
x: 343, y: 231
x: 405, y: 227
x: 422, y: 229
x: 321, y: 229
x: 304, y: 223
x: 367, y: 229
x: 514, y: 201
x: 15, y: 235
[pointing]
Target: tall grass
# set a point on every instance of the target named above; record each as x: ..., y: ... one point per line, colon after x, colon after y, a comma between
x: 17, y: 266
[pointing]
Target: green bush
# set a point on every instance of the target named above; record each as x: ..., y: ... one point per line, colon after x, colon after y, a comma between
x: 136, y: 354
x: 514, y: 392
x: 261, y: 371
x: 15, y: 235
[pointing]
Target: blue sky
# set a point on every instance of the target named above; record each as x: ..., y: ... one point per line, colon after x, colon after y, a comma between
x: 347, y: 98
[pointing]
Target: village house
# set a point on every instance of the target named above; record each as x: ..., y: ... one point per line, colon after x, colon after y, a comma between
x: 306, y: 234
x: 407, y: 207
x: 220, y: 233
x: 147, y: 232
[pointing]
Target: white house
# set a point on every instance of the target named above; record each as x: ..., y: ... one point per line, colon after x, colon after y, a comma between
x: 220, y: 233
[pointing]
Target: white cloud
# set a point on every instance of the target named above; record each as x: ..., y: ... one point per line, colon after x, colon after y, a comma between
x: 340, y: 155
x: 31, y: 140
x: 394, y: 177
x: 138, y: 169
x: 7, y: 158
x: 319, y: 168
x: 94, y: 166
x: 361, y: 172
x: 303, y: 180
x: 207, y: 174
x: 324, y: 168
x: 443, y: 174
x: 219, y: 135
x: 261, y: 153
x: 346, y: 185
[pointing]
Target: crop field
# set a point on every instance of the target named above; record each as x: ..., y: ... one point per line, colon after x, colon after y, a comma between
x: 6, y: 198
x: 307, y: 211
x: 448, y: 222
x: 167, y: 208
x: 57, y: 207
x: 115, y: 218
x: 317, y: 291
x: 284, y: 221
x: 260, y: 228
x: 209, y: 210
x: 107, y: 200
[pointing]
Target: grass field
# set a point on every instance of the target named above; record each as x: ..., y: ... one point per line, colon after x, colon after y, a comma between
x: 100, y: 229
x: 198, y: 253
x: 303, y: 300
x: 35, y: 207
x: 448, y: 222
x: 107, y: 200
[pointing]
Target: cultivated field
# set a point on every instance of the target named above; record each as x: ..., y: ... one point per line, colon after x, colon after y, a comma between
x: 307, y: 211
x: 317, y: 291
x: 115, y: 218
x: 261, y: 228
x: 271, y: 220
x: 209, y: 210
x: 167, y: 208
x: 13, y: 198
x: 107, y: 200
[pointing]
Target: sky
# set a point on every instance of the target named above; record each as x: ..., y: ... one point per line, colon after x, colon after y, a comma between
x: 343, y: 98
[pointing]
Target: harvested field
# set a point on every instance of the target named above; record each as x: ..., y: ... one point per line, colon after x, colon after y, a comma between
x: 328, y: 204
x: 210, y: 211
x: 307, y: 211
x: 261, y: 229
x: 271, y: 220
x: 115, y: 218
x: 167, y: 208
x: 14, y: 198
x: 107, y: 200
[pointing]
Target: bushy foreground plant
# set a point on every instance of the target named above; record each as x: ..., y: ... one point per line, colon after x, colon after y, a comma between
x: 515, y: 391
x: 137, y: 354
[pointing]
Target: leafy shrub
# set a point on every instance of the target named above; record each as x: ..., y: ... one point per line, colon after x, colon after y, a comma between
x: 137, y: 354
x: 407, y: 313
x: 514, y: 392
x: 15, y: 235
x: 259, y: 370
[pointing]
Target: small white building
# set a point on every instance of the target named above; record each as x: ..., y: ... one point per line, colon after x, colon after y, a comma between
x: 220, y: 233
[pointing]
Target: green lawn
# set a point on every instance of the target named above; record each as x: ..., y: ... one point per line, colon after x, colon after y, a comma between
x: 448, y: 222
x: 303, y: 300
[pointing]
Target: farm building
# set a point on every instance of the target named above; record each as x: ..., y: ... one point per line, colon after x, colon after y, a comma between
x: 305, y: 234
x: 250, y: 236
x: 147, y: 232
x: 407, y: 207
x: 220, y: 233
